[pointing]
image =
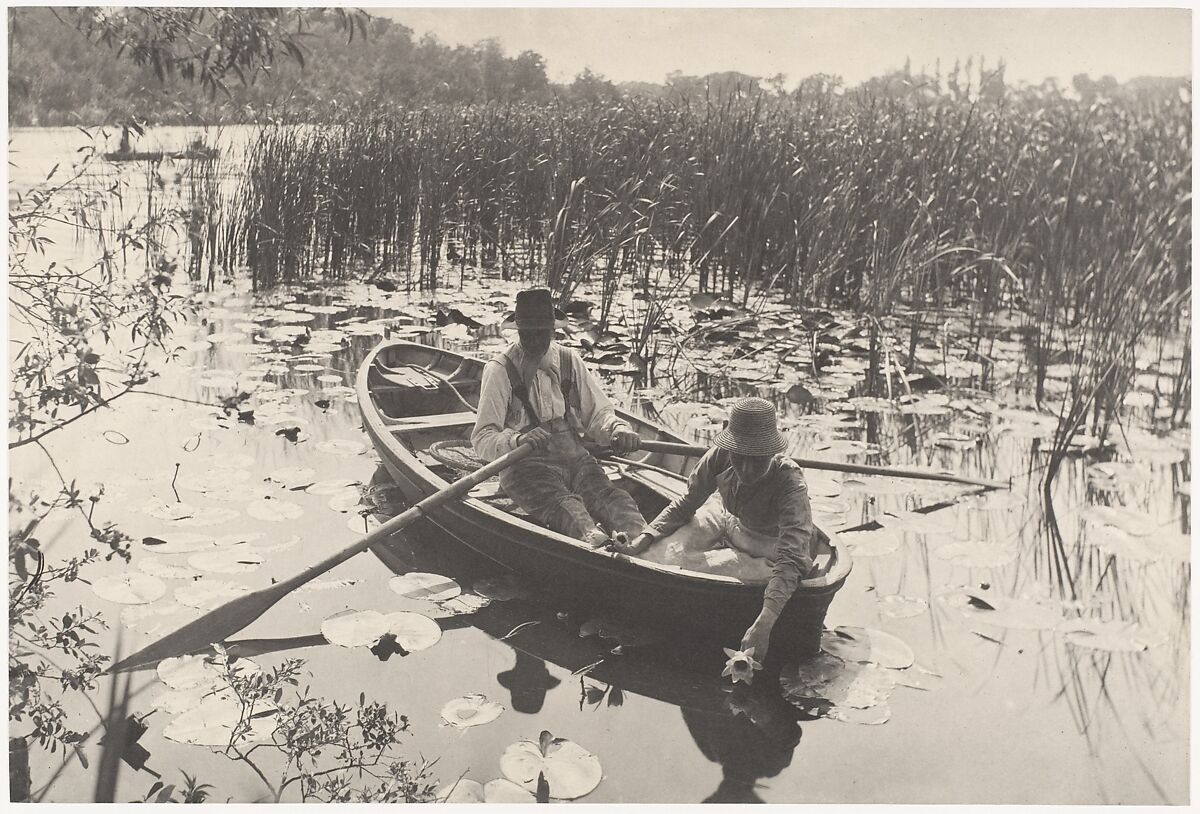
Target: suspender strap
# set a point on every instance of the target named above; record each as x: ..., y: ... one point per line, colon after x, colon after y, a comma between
x: 521, y: 392
x: 566, y: 381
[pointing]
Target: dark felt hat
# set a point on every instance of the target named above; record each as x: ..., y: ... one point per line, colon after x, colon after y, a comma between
x: 753, y: 429
x: 535, y: 309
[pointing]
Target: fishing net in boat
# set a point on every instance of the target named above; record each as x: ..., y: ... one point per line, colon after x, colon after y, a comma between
x: 457, y: 454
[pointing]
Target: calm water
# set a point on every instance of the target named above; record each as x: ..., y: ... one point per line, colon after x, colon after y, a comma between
x: 1005, y: 714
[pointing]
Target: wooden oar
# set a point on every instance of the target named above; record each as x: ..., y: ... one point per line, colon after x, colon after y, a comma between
x: 219, y: 624
x: 668, y: 448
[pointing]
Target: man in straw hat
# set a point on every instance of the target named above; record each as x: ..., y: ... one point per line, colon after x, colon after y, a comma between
x: 539, y: 392
x: 761, y: 509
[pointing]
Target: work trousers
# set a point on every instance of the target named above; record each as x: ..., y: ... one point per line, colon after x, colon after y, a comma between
x: 571, y: 494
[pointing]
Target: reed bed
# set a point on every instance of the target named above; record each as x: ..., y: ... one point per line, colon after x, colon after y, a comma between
x: 1077, y: 215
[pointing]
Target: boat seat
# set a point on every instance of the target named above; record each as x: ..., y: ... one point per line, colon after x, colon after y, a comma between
x: 420, y: 422
x: 408, y: 376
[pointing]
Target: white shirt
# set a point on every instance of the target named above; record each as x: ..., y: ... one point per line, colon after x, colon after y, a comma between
x: 501, y: 416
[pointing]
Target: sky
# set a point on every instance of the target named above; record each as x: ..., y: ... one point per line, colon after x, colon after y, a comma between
x: 627, y: 44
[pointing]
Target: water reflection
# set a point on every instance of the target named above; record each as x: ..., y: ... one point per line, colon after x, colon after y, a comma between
x: 527, y: 682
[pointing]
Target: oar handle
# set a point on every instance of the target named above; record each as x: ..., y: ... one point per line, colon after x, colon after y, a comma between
x: 692, y: 451
x: 452, y: 492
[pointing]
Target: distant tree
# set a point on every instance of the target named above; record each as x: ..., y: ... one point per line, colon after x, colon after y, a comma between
x: 529, y: 75
x: 592, y: 87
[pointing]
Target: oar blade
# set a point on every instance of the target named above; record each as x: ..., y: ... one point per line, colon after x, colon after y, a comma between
x: 214, y: 626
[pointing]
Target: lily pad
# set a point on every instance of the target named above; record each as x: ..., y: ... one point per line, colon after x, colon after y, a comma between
x: 209, y: 594
x: 828, y: 678
x: 902, y: 607
x: 213, y: 720
x: 464, y: 603
x: 570, y: 770
x: 419, y: 585
x: 413, y: 631
x: 1017, y: 613
x: 503, y: 790
x: 293, y: 477
x: 473, y: 709
x: 867, y: 645
x: 873, y: 543
x: 208, y: 516
x: 977, y: 554
x: 235, y: 560
x: 1138, y: 524
x: 129, y: 588
x: 158, y: 567
x: 938, y: 522
x: 869, y: 716
x: 342, y: 446
x: 464, y: 790
x: 355, y: 628
x: 500, y: 588
x: 274, y: 511
x: 333, y: 486
x: 1114, y: 636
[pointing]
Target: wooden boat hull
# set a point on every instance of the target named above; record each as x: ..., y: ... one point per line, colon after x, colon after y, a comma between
x: 721, y: 607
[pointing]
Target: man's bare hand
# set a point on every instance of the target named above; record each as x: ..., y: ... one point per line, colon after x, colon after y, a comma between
x: 625, y: 440
x: 538, y: 438
x: 635, y: 546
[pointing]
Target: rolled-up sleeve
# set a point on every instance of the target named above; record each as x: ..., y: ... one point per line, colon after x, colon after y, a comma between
x: 491, y: 438
x: 597, y: 413
x: 793, y: 553
x: 701, y: 484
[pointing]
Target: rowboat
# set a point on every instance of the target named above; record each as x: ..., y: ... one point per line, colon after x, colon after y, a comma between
x: 418, y: 404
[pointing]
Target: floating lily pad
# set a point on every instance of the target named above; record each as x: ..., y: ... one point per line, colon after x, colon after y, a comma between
x: 570, y: 770
x: 158, y: 567
x: 274, y: 510
x: 473, y: 709
x: 154, y: 618
x: 503, y: 790
x: 829, y: 678
x: 335, y: 486
x: 977, y: 554
x: 870, y: 716
x: 355, y: 628
x: 1138, y: 524
x: 902, y: 607
x: 938, y: 522
x: 1017, y: 613
x: 293, y: 477
x: 500, y: 588
x: 617, y: 631
x: 342, y: 446
x: 867, y: 645
x: 413, y: 631
x: 418, y: 585
x: 237, y: 538
x: 464, y: 603
x: 174, y: 511
x: 176, y: 702
x: 464, y: 790
x: 235, y: 560
x: 129, y: 588
x: 213, y: 720
x: 207, y: 516
x: 198, y: 672
x: 1114, y: 636
x: 209, y: 594
x: 873, y: 543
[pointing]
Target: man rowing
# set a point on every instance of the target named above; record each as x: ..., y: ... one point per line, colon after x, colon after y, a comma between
x: 539, y: 392
x: 760, y: 508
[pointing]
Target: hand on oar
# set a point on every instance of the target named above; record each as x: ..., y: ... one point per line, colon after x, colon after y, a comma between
x: 217, y: 625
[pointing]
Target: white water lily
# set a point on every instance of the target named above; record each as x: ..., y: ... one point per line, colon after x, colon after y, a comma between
x: 741, y: 665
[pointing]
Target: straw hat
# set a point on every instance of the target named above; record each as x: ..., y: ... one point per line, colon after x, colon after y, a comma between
x: 535, y: 309
x: 752, y: 429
